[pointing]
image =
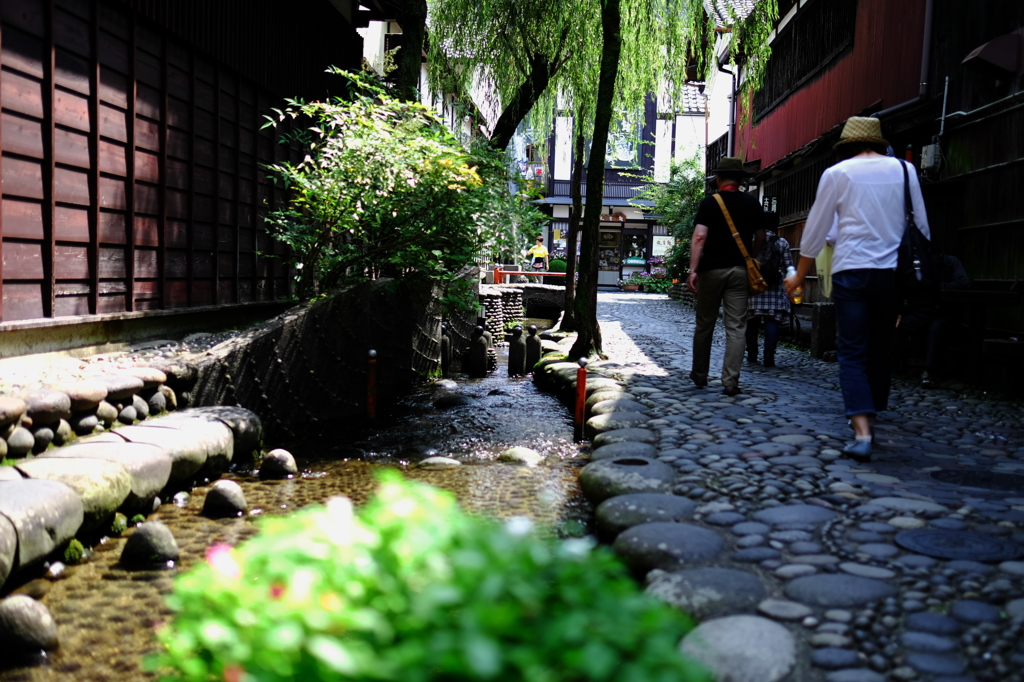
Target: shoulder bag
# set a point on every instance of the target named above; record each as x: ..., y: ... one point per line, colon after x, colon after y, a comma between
x: 915, y: 274
x: 755, y: 282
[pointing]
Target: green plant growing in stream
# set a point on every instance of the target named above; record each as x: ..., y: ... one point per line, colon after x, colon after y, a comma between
x: 411, y: 588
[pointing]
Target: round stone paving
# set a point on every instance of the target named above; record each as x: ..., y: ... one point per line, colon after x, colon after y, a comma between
x: 958, y: 544
x: 980, y: 479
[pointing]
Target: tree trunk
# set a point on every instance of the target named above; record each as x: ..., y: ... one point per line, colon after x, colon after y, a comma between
x: 568, y: 318
x: 588, y: 340
x: 411, y: 15
x: 541, y: 72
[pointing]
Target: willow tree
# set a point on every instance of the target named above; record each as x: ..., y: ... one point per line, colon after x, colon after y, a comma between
x: 596, y: 59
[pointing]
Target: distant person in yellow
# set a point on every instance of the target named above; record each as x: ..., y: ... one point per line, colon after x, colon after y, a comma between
x: 539, y: 258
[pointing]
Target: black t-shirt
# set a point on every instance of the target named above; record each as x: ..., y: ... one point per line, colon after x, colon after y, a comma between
x: 720, y: 250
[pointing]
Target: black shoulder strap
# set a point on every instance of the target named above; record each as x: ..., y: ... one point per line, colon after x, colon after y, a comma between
x: 908, y: 205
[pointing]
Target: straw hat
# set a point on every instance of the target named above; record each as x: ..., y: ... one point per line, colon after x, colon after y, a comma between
x: 861, y: 129
x: 732, y: 165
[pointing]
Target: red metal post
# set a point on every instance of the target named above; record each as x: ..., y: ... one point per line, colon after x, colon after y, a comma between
x: 581, y: 399
x: 371, y: 386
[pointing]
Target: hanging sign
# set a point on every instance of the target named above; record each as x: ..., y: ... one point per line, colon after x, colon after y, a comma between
x: 635, y: 261
x: 661, y: 245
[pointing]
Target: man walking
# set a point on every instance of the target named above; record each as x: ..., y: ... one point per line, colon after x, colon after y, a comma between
x: 718, y: 274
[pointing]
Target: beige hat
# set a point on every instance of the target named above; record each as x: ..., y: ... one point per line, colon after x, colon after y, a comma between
x: 861, y: 129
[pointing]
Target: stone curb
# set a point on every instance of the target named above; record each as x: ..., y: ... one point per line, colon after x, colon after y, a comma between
x: 45, y: 501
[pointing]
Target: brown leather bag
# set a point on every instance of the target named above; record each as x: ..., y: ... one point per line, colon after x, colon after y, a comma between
x: 755, y: 282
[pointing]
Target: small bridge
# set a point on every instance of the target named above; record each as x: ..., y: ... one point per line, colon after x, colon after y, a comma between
x: 545, y: 301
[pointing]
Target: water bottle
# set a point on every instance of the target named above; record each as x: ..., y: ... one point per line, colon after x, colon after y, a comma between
x: 798, y: 294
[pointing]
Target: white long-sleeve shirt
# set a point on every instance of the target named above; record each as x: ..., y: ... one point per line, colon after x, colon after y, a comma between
x: 863, y: 196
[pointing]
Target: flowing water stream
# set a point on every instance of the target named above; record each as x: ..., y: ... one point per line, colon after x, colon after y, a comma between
x: 106, y: 615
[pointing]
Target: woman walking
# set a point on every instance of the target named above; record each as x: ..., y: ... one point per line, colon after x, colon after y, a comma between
x: 769, y: 309
x: 864, y: 194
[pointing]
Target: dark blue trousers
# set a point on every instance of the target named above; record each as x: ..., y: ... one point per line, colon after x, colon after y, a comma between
x: 866, y: 310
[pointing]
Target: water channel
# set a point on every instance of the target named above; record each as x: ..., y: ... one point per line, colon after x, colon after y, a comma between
x: 106, y: 615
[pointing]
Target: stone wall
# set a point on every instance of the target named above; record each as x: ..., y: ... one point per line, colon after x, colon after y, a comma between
x: 306, y: 372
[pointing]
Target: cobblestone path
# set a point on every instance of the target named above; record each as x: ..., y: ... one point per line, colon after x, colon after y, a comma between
x: 910, y: 567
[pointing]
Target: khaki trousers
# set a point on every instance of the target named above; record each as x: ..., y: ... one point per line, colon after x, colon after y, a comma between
x: 726, y: 287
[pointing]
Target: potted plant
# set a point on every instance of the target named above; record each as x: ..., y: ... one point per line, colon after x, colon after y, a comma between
x: 627, y: 284
x: 657, y: 267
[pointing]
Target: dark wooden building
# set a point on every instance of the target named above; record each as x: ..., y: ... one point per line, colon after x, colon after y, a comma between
x: 946, y: 78
x: 132, y: 149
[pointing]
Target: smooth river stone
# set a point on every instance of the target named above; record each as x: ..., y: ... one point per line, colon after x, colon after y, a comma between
x: 668, y: 546
x: 46, y: 514
x: 742, y: 648
x: 119, y: 386
x: 85, y: 395
x: 11, y: 410
x: 612, y: 421
x: 47, y: 407
x: 709, y: 592
x: 102, y: 485
x: 625, y: 449
x: 616, y: 514
x: 623, y: 475
x: 794, y: 514
x: 633, y: 435
x: 842, y: 591
x: 148, y: 465
x: 619, y: 405
x: 246, y: 427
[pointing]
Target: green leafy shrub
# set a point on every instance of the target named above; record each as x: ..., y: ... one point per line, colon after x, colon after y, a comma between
x: 413, y: 589
x: 556, y: 266
x: 384, y: 190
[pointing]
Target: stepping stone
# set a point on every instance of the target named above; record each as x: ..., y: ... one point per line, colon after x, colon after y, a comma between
x: 790, y: 514
x: 625, y: 449
x: 119, y: 386
x: 246, y: 427
x: 903, y: 504
x: 45, y: 515
x: 780, y: 609
x: 935, y: 664
x: 709, y: 592
x: 837, y: 591
x: 614, y: 420
x: 624, y: 475
x: 742, y: 649
x: 668, y: 546
x: 933, y: 623
x: 608, y: 394
x: 633, y: 435
x: 866, y: 571
x: 834, y: 658
x: 149, y: 466
x: 616, y: 514
x: 928, y: 643
x: 102, y: 485
x: 972, y: 612
x: 619, y: 405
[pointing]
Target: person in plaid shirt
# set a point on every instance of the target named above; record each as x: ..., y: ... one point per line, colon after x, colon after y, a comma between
x: 769, y: 309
